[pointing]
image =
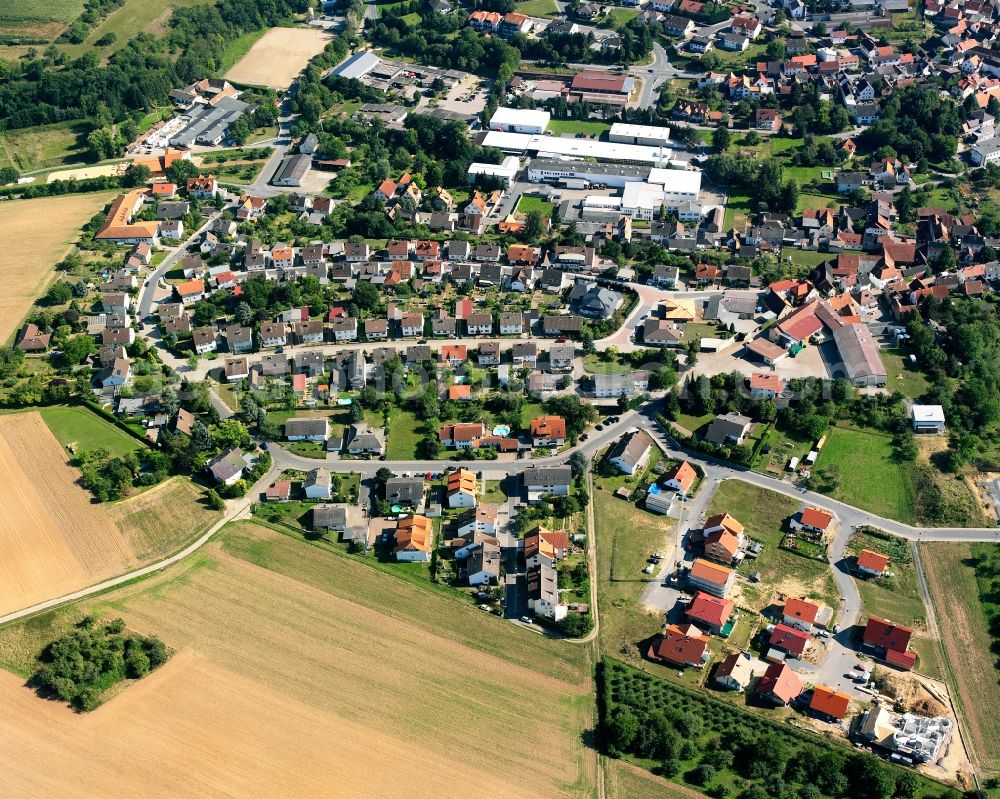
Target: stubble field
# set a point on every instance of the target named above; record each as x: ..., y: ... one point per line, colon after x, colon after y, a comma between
x: 35, y: 235
x: 276, y: 59
x: 302, y: 672
x: 55, y: 540
x: 968, y: 647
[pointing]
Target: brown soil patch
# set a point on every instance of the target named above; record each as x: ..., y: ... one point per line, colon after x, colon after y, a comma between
x: 276, y: 59
x: 40, y: 233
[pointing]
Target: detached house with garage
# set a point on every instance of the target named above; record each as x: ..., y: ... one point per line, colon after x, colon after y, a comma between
x: 889, y: 641
x: 630, y: 454
x: 548, y: 431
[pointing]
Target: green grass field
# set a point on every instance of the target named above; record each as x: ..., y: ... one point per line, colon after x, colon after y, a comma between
x: 538, y: 8
x: 901, y: 377
x: 85, y: 431
x: 563, y: 126
x: 128, y: 21
x: 529, y: 203
x: 404, y: 433
x: 764, y: 514
x: 969, y: 657
x: 869, y: 477
x: 738, y: 208
x: 619, y: 17
x: 44, y: 146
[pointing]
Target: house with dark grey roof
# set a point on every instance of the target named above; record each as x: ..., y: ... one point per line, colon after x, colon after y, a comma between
x: 405, y: 491
x: 729, y: 428
x: 544, y: 481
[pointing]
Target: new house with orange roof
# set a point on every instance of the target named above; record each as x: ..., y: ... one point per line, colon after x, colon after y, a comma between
x: 118, y: 227
x: 711, y: 577
x: 871, y: 563
x: 815, y: 521
x: 680, y: 645
x: 709, y: 612
x: 681, y: 478
x: 414, y: 538
x: 548, y: 431
x: 461, y: 489
x: 801, y: 613
x: 829, y: 703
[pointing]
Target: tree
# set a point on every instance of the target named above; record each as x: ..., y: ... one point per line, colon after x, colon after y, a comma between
x: 366, y: 296
x: 578, y: 463
x: 8, y: 175
x: 534, y: 225
x: 214, y: 501
x: 721, y: 138
x: 136, y: 175
x: 622, y: 728
x: 179, y: 171
x: 59, y: 293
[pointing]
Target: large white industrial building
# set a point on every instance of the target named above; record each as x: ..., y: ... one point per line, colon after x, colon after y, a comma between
x: 505, y: 171
x: 519, y: 120
x: 557, y: 147
x: 648, y: 135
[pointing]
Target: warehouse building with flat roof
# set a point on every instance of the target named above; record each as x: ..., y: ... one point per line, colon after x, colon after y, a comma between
x: 580, y: 149
x: 648, y: 135
x: 519, y: 120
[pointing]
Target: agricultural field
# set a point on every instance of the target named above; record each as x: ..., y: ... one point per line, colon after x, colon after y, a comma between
x: 538, y: 8
x: 969, y: 650
x: 624, y: 780
x: 276, y: 59
x: 39, y: 247
x: 273, y: 637
x: 35, y: 20
x: 764, y: 514
x: 54, y: 540
x: 44, y: 146
x: 868, y: 475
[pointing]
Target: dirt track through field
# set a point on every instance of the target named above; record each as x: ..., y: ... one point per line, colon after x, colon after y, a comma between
x: 276, y: 59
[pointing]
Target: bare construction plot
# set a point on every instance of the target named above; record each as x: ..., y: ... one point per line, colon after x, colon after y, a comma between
x: 276, y: 59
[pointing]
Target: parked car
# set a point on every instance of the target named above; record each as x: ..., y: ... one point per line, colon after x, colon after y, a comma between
x: 527, y: 620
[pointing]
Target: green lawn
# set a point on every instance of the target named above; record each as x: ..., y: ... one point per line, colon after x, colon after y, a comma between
x: 869, y: 478
x: 619, y: 17
x: 806, y: 258
x: 405, y: 434
x: 538, y: 8
x: 595, y: 364
x: 85, y: 431
x: 529, y: 203
x: 764, y: 514
x: 901, y: 376
x: 529, y: 411
x: 737, y: 210
x: 562, y: 126
x: 493, y: 492
x: 43, y: 146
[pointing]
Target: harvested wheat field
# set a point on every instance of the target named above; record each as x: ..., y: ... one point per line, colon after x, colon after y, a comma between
x: 54, y: 540
x: 967, y: 646
x: 34, y: 236
x: 300, y: 684
x: 276, y: 59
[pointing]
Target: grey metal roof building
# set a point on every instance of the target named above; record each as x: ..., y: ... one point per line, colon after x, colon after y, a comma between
x: 292, y: 170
